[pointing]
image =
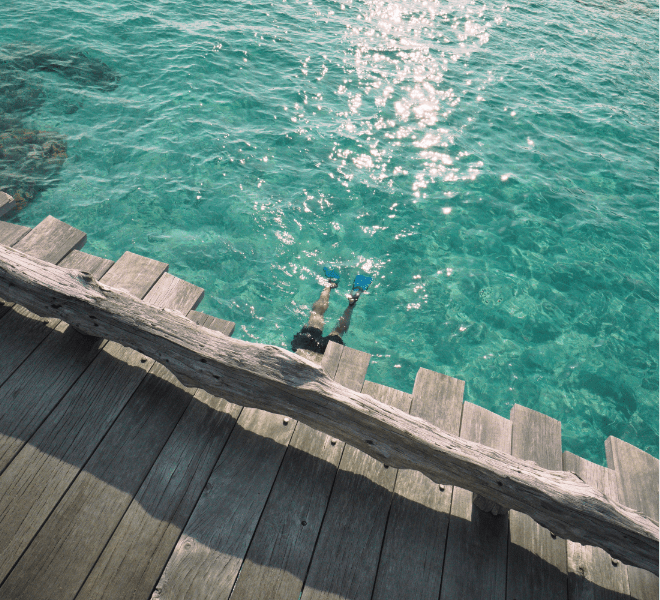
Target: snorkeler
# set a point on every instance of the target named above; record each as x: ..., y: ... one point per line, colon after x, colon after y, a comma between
x: 311, y: 337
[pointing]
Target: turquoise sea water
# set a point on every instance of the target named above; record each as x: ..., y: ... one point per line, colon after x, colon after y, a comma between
x: 493, y: 165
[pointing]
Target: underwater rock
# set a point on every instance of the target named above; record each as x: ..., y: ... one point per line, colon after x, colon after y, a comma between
x: 75, y: 65
x: 30, y: 162
x: 30, y: 159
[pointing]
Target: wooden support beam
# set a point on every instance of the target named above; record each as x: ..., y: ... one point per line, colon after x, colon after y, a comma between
x: 278, y: 381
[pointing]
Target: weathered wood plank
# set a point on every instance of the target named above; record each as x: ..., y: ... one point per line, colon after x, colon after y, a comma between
x: 11, y: 233
x: 25, y: 330
x: 537, y: 558
x: 592, y: 574
x: 21, y: 331
x: 176, y: 291
x: 414, y: 547
x: 282, y: 546
x: 82, y: 261
x: 133, y: 560
x: 637, y: 487
x: 135, y: 556
x: 51, y: 240
x: 5, y: 307
x: 347, y: 553
x: 279, y: 381
x: 226, y: 327
x: 144, y: 272
x: 35, y: 388
x: 41, y: 472
x: 63, y: 552
x: 43, y: 379
x: 219, y: 576
x: 475, y: 562
x: 7, y: 203
x: 209, y: 553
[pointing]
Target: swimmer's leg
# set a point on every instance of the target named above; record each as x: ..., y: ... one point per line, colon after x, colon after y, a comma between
x: 345, y: 320
x: 318, y: 309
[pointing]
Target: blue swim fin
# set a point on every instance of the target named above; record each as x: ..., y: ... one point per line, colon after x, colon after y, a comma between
x: 361, y: 283
x: 332, y: 275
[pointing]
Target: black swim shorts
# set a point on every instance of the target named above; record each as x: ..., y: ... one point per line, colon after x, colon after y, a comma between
x: 312, y: 338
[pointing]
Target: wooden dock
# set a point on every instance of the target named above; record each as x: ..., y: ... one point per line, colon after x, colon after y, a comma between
x: 117, y: 482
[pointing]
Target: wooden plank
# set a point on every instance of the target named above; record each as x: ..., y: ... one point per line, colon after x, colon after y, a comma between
x: 475, y: 562
x: 41, y: 472
x: 213, y: 577
x: 213, y: 323
x: 414, y: 546
x: 592, y: 573
x: 278, y: 381
x: 226, y: 327
x: 21, y: 331
x: 35, y: 388
x: 282, y: 546
x: 5, y: 307
x: 637, y: 487
x: 88, y: 263
x: 7, y: 203
x: 209, y: 553
x: 346, y: 557
x: 138, y: 550
x: 144, y: 271
x: 43, y: 379
x: 536, y: 557
x: 175, y: 290
x: 133, y: 560
x: 11, y: 233
x: 51, y: 240
x: 63, y: 552
x: 39, y: 475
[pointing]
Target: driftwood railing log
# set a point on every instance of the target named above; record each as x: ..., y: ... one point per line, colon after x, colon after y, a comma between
x: 275, y: 380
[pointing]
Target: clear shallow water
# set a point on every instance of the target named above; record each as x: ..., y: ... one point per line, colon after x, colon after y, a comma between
x: 493, y: 165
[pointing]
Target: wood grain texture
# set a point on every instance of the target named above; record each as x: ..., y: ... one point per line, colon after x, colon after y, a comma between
x: 21, y: 331
x: 592, y: 574
x: 39, y: 475
x: 475, y: 562
x: 82, y: 261
x: 41, y: 472
x: 41, y: 381
x: 51, y: 240
x: 226, y: 327
x: 176, y: 291
x: 209, y: 553
x: 134, y: 274
x: 139, y: 548
x: 135, y: 556
x: 637, y: 487
x: 5, y: 307
x: 536, y: 557
x: 10, y: 233
x: 276, y: 380
x: 282, y: 546
x: 65, y: 549
x: 414, y: 548
x: 346, y: 557
x: 7, y: 203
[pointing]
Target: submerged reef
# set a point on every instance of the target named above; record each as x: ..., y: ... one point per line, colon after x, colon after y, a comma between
x: 31, y: 159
